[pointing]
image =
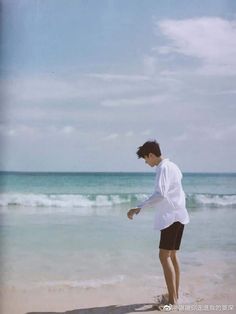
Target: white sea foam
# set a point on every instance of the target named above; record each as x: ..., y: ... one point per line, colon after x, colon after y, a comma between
x: 102, y: 201
x: 61, y: 200
x: 215, y: 200
x: 84, y: 284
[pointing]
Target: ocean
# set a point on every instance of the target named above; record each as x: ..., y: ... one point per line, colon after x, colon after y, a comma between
x: 71, y: 229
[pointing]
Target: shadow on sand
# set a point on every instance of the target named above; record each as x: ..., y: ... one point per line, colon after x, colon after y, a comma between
x: 111, y: 309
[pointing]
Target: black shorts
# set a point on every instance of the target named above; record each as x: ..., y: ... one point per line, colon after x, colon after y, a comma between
x: 171, y: 236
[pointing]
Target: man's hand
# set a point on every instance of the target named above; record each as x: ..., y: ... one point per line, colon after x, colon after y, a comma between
x: 133, y: 211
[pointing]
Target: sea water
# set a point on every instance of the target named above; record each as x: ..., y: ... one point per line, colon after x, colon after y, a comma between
x: 72, y: 230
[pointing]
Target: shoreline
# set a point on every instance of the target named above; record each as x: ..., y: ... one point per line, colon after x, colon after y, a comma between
x: 119, y: 299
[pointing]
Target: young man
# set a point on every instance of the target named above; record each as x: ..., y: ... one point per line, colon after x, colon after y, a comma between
x: 171, y: 215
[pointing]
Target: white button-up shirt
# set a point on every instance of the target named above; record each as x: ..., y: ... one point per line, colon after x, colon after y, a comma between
x: 168, y: 197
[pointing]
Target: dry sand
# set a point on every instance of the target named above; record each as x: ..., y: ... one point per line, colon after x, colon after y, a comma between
x: 106, y: 300
x: 209, y: 285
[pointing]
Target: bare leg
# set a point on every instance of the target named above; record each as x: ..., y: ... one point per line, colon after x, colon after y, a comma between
x: 175, y: 262
x: 169, y: 273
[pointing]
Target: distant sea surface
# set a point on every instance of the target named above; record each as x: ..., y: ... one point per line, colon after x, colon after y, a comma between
x: 71, y: 228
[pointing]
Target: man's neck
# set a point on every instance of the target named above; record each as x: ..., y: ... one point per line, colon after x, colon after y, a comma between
x: 159, y: 160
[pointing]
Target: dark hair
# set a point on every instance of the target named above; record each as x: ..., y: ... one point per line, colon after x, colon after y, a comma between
x: 147, y: 148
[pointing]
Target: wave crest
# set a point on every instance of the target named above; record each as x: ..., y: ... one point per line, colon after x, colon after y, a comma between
x: 211, y: 200
x: 111, y: 200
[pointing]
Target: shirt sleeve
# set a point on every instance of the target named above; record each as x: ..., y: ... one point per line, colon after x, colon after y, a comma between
x: 160, y: 192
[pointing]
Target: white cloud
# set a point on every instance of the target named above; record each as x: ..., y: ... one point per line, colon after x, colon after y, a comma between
x: 19, y: 130
x: 212, y: 40
x: 139, y: 101
x: 181, y: 138
x: 129, y: 133
x: 163, y: 50
x: 12, y: 132
x: 210, y: 133
x: 118, y: 77
x: 39, y: 89
x: 68, y: 129
x: 226, y: 92
x: 146, y: 132
x: 25, y: 130
x: 45, y: 88
x: 111, y: 137
x: 150, y: 64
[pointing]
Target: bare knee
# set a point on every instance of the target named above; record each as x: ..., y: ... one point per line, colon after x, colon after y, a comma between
x: 173, y: 256
x: 164, y: 255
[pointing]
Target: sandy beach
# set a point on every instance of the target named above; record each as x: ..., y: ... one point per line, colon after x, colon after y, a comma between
x: 200, y: 293
x: 119, y: 301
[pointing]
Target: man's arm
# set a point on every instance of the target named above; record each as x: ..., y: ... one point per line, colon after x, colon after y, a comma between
x: 162, y: 186
x: 156, y: 197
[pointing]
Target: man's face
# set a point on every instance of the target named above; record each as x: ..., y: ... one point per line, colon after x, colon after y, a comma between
x: 150, y: 160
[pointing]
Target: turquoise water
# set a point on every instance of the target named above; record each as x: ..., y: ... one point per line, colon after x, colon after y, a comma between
x: 104, y: 189
x: 72, y: 229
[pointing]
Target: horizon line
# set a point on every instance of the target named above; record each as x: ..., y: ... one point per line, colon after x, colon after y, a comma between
x: 77, y: 172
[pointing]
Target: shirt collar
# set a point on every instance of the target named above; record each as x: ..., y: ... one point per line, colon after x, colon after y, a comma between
x: 163, y: 160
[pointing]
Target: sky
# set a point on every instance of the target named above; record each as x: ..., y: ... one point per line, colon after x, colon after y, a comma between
x: 85, y: 83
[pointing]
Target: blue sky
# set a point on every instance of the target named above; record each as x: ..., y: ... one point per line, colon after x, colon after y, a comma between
x: 87, y: 82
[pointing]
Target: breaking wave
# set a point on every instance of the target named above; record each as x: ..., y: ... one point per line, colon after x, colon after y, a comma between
x: 110, y: 200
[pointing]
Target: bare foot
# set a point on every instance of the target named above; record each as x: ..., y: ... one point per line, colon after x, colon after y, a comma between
x: 161, y: 299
